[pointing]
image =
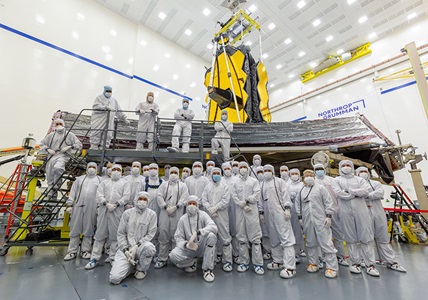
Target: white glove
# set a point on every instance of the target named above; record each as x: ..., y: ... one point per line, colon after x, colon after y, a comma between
x: 293, y: 195
x: 170, y: 210
x: 110, y: 109
x: 127, y: 122
x: 111, y: 207
x: 212, y: 210
x: 142, y: 111
x: 133, y: 250
x: 65, y: 149
x: 51, y: 152
x: 191, y: 244
x: 287, y: 215
x: 130, y: 257
x: 214, y: 215
x: 69, y: 210
x: 242, y: 204
x: 247, y: 208
x: 327, y: 222
x: 301, y: 222
x: 262, y: 218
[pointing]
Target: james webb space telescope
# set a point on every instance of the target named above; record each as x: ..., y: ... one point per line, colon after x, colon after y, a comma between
x: 235, y: 81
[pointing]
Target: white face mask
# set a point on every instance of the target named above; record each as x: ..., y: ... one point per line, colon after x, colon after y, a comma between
x: 115, y: 175
x: 153, y: 173
x: 257, y: 162
x: 150, y: 99
x: 146, y: 173
x: 59, y: 128
x: 243, y: 171
x: 235, y: 170
x: 185, y: 105
x: 268, y: 175
x: 184, y: 175
x: 173, y: 177
x: 346, y: 170
x: 227, y: 173
x: 310, y: 181
x: 210, y: 169
x: 191, y: 210
x: 91, y: 171
x: 320, y: 173
x: 260, y: 176
x: 108, y: 94
x: 224, y: 117
x: 284, y: 175
x: 135, y: 171
x: 294, y: 177
x: 141, y: 204
x: 364, y: 176
x: 197, y: 170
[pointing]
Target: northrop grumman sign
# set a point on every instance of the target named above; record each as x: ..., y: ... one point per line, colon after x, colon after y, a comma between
x: 343, y: 109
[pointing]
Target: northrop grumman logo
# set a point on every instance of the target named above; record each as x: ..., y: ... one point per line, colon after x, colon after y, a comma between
x: 343, y: 109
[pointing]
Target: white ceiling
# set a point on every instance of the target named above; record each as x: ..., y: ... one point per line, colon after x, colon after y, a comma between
x: 337, y: 18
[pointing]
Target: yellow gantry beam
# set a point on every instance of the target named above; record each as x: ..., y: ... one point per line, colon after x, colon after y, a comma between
x: 355, y: 54
x: 240, y: 16
x: 405, y: 73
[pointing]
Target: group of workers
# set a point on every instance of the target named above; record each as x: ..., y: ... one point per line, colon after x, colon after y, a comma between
x: 106, y: 108
x: 225, y: 213
x: 221, y: 214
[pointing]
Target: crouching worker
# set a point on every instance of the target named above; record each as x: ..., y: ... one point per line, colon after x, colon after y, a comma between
x: 137, y: 228
x: 196, y: 236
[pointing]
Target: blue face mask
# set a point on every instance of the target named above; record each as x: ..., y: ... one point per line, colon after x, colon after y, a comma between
x: 320, y: 173
x: 216, y: 178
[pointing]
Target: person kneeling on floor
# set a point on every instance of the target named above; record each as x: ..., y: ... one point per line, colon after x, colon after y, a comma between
x: 137, y: 228
x: 196, y: 236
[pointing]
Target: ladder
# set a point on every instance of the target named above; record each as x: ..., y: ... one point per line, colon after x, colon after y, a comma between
x: 13, y: 198
x: 35, y: 222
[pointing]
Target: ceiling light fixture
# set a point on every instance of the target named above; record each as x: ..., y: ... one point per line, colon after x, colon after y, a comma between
x: 287, y: 41
x: 362, y: 19
x: 316, y: 22
x: 340, y: 51
x: 329, y: 38
x: 372, y: 35
x: 252, y: 8
x: 301, y: 53
x: 162, y: 15
x: 188, y: 32
x: 301, y: 4
x: 271, y: 26
x: 411, y: 16
x: 206, y: 11
x: 278, y: 67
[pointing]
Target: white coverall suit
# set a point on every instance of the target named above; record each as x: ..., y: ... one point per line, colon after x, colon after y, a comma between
x: 222, y: 137
x: 247, y: 223
x: 136, y: 185
x: 230, y: 181
x: 114, y: 192
x: 183, y: 126
x: 217, y: 196
x: 169, y: 194
x: 146, y: 124
x: 136, y: 227
x: 294, y: 188
x: 336, y: 229
x: 183, y: 257
x: 379, y: 222
x: 55, y: 165
x: 273, y: 201
x: 84, y: 215
x: 104, y: 107
x: 354, y: 215
x: 313, y: 204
